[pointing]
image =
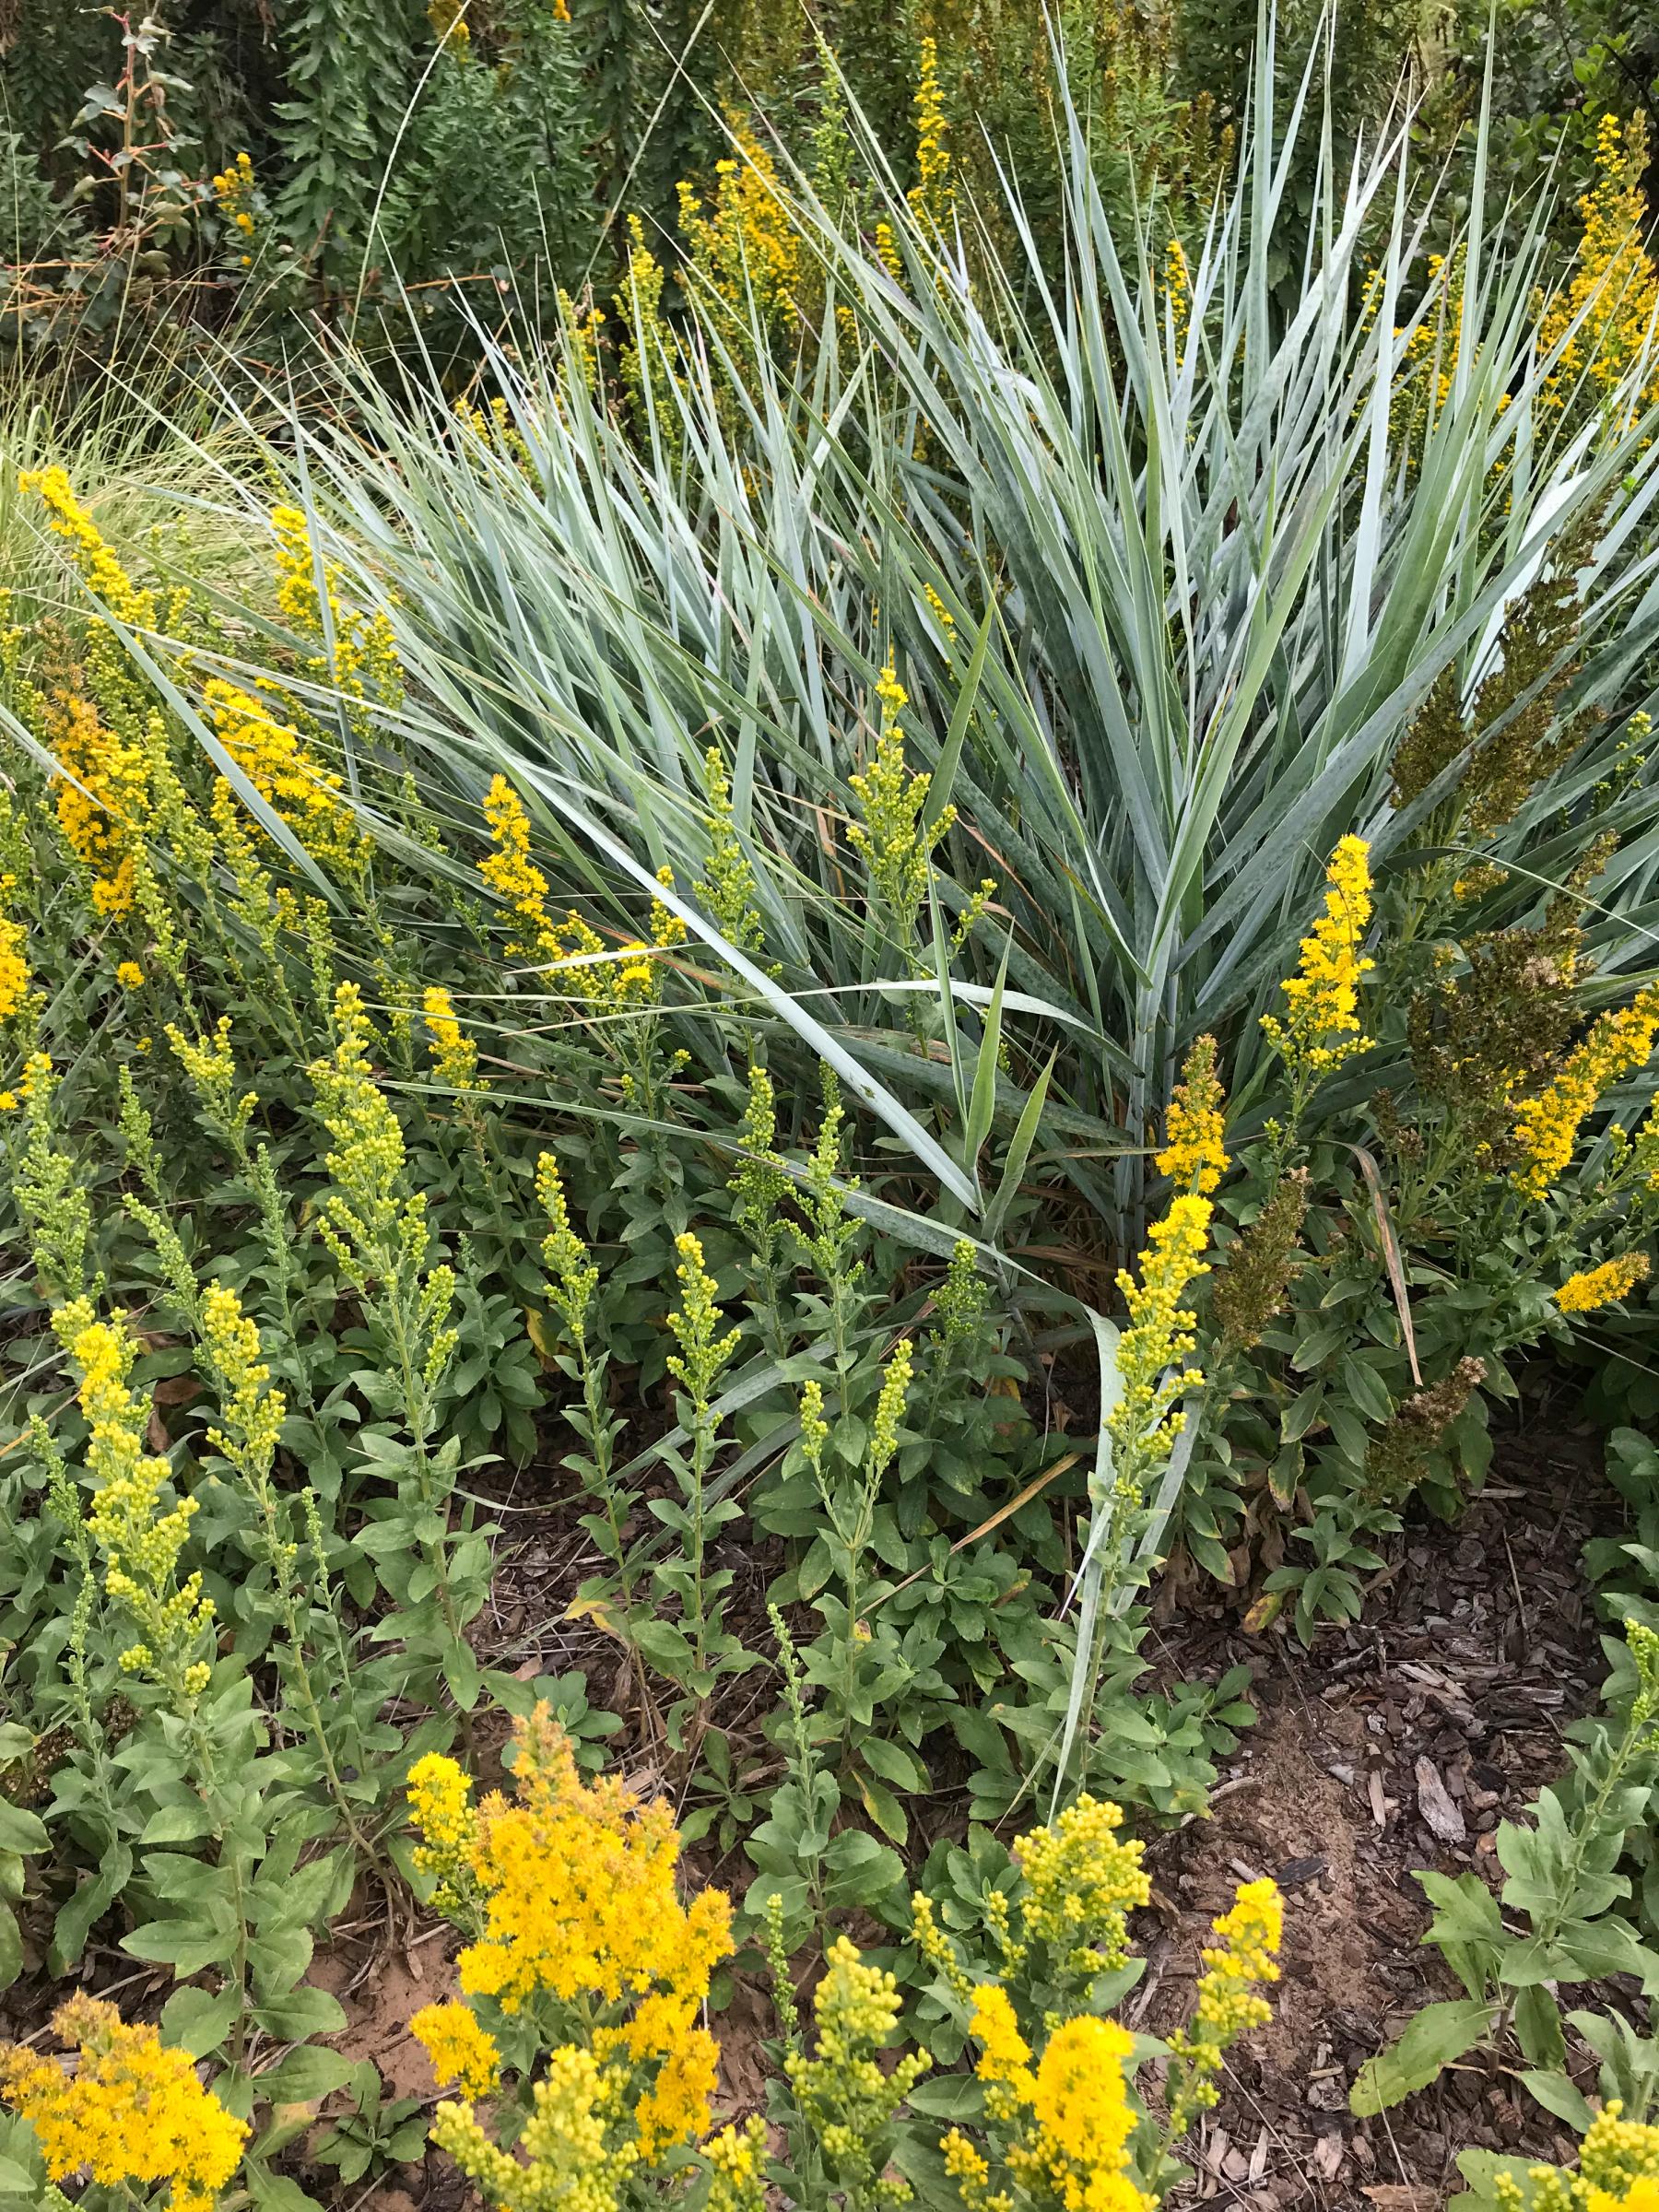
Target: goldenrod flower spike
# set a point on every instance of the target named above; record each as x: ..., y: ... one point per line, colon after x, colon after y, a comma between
x: 131, y: 2113
x: 102, y: 798
x: 15, y: 979
x: 1321, y: 1027
x: 1193, y: 1155
x: 1546, y: 1127
x: 69, y: 520
x: 454, y: 1054
x: 462, y: 2054
x: 1602, y: 1286
x: 1613, y: 297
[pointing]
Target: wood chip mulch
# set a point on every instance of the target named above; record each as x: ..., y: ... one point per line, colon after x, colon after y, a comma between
x: 1395, y: 1745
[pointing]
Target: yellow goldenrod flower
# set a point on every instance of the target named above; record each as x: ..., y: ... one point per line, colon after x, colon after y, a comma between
x: 1602, y: 1286
x: 514, y: 877
x: 746, y: 247
x: 844, y: 2093
x: 272, y: 757
x: 235, y: 190
x: 666, y: 928
x: 578, y: 1892
x: 1084, y: 1880
x: 1194, y: 1156
x: 101, y: 796
x: 736, y: 2158
x: 70, y: 521
x: 252, y: 1411
x: 565, y: 2158
x: 440, y: 1807
x: 932, y: 197
x: 1546, y: 1127
x: 1228, y: 2004
x: 892, y: 839
x: 461, y: 2051
x: 1004, y: 2058
x: 360, y: 651
x: 140, y: 1541
x: 449, y: 23
x: 132, y: 2112
x: 1084, y: 2118
x: 129, y: 974
x: 1613, y: 296
x: 455, y: 1055
x: 1320, y: 1029
x: 15, y: 977
x: 1146, y: 1421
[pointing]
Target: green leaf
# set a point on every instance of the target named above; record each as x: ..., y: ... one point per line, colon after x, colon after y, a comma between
x: 1556, y: 2093
x: 22, y: 1832
x: 305, y: 2076
x: 199, y: 2021
x: 300, y: 2013
x: 1439, y: 2034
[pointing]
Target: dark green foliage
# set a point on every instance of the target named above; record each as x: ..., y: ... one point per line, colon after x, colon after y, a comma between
x: 350, y: 73
x: 497, y: 174
x: 35, y: 224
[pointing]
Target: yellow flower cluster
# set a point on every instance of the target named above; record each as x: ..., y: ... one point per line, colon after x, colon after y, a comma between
x: 575, y: 1887
x: 514, y: 878
x: 1618, y: 2172
x: 1613, y: 297
x: 441, y: 1809
x: 627, y: 983
x: 843, y: 2090
x: 1228, y: 2004
x: 1083, y: 2119
x: 102, y: 798
x: 747, y: 245
x: 571, y: 1891
x: 1193, y: 1155
x: 1083, y: 1880
x: 1178, y: 291
x: 1546, y: 1127
x: 1146, y: 1421
x: 15, y: 976
x: 449, y: 23
x: 933, y: 195
x: 736, y: 2162
x: 455, y: 1055
x: 891, y: 839
x: 1320, y: 1029
x: 140, y: 1541
x: 566, y: 2159
x: 1072, y: 2117
x: 1602, y: 1286
x: 361, y: 652
x: 1429, y: 353
x: 70, y: 521
x: 252, y: 1412
x: 234, y: 190
x: 34, y: 1068
x: 132, y: 2112
x: 1005, y: 2059
x: 272, y: 757
x: 462, y: 2054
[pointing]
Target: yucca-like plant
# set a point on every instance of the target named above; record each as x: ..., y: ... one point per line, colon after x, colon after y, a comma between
x: 1161, y: 576
x: 1148, y: 575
